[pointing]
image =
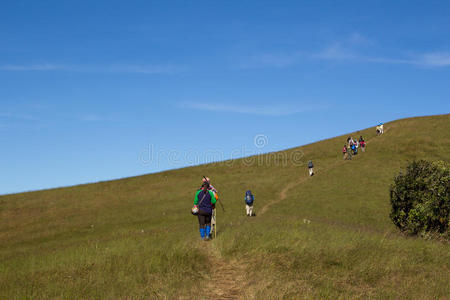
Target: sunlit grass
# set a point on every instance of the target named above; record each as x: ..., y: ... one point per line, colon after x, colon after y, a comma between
x: 330, y: 238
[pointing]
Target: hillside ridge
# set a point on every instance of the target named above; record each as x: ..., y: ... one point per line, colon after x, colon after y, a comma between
x: 326, y: 236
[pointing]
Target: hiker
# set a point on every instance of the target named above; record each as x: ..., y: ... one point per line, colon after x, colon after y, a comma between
x: 203, y: 202
x: 362, y: 142
x: 353, y: 148
x: 380, y: 129
x: 310, y: 168
x: 249, y: 199
x: 344, y: 152
x: 349, y: 152
x: 216, y: 195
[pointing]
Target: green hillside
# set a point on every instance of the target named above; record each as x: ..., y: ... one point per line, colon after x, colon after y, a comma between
x: 326, y: 236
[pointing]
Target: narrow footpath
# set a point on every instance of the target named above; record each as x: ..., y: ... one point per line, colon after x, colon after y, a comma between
x: 229, y: 277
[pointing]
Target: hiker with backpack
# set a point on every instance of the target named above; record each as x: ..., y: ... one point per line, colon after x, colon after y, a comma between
x: 354, y: 149
x: 310, y: 168
x: 362, y: 142
x: 203, y: 206
x: 344, y: 152
x: 249, y: 199
x: 380, y: 129
x: 216, y: 195
x: 349, y: 141
x: 349, y: 152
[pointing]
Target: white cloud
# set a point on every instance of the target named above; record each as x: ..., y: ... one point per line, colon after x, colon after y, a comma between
x: 359, y: 39
x: 424, y: 60
x: 93, y: 117
x: 279, y: 110
x: 9, y: 115
x: 33, y: 67
x: 437, y: 59
x: 336, y: 51
x: 276, y: 60
x: 115, y: 68
x: 354, y: 48
x: 345, y: 48
x: 146, y: 69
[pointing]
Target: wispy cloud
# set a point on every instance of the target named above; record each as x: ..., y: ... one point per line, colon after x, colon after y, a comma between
x: 114, y: 68
x: 436, y: 59
x: 279, y: 110
x: 145, y: 69
x: 92, y: 117
x: 10, y: 115
x: 425, y: 60
x: 33, y: 67
x: 354, y: 48
x: 276, y: 60
x: 336, y: 51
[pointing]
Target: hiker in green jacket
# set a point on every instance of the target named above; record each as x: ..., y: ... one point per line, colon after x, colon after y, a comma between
x: 204, y: 201
x: 216, y: 195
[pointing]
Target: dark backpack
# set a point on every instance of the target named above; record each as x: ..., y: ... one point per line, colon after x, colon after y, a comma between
x: 249, y: 198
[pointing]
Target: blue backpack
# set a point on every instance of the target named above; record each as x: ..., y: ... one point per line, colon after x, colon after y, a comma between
x: 249, y: 198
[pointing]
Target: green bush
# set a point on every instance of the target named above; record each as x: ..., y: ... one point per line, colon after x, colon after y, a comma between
x: 420, y: 199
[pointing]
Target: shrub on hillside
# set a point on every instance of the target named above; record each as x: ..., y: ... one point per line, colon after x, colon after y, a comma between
x: 420, y: 199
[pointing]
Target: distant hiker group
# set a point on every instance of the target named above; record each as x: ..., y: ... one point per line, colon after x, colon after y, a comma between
x: 352, y: 147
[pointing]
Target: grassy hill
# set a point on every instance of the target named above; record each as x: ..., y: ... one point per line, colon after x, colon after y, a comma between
x: 326, y: 236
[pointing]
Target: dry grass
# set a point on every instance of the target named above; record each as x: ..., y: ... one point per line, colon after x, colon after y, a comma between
x: 328, y: 236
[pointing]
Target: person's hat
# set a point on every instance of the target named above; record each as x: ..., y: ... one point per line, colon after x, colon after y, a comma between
x: 205, y: 185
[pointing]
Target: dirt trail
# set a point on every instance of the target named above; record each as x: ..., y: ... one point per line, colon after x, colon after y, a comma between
x: 285, y: 190
x: 229, y: 277
x: 227, y: 280
x: 283, y: 195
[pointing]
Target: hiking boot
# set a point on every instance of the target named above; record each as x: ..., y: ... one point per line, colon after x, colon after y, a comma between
x: 202, y: 233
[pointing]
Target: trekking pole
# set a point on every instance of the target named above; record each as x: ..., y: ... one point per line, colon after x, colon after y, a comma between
x: 221, y: 205
x: 215, y: 224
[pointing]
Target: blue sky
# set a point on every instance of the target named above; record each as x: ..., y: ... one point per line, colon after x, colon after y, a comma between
x: 97, y: 90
